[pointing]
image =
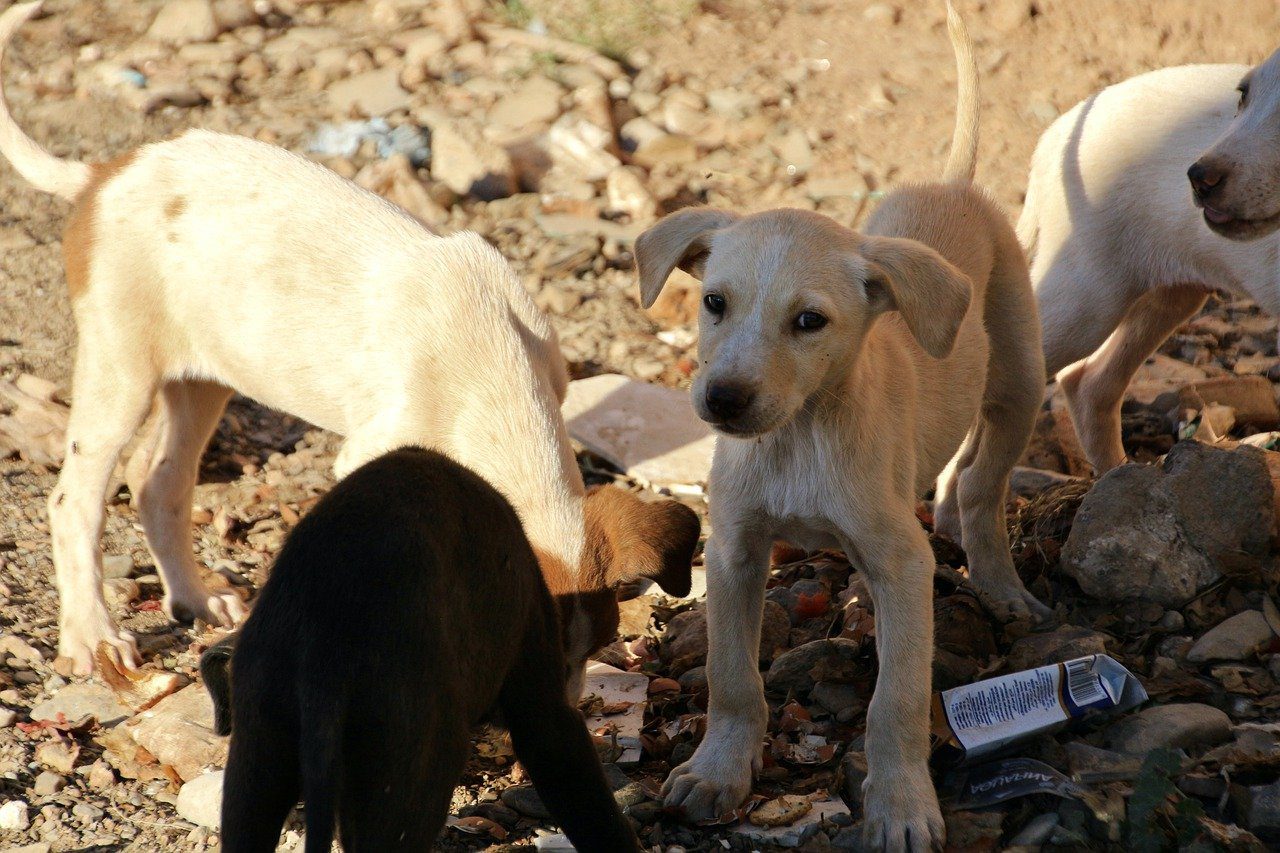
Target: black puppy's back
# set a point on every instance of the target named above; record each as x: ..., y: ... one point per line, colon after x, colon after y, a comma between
x: 401, y: 610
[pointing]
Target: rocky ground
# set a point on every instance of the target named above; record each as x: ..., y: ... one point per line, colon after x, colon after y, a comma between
x: 558, y: 129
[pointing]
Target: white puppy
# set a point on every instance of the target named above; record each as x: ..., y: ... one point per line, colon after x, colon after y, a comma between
x: 842, y: 372
x: 1120, y: 257
x: 210, y: 263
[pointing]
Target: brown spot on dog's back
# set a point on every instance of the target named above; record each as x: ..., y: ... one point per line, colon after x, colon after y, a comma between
x: 173, y: 207
x: 78, y: 235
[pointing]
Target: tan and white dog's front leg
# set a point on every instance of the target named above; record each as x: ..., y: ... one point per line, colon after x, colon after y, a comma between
x: 718, y: 777
x: 899, y: 800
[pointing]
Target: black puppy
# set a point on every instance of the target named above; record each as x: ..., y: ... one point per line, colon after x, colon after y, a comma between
x: 404, y: 609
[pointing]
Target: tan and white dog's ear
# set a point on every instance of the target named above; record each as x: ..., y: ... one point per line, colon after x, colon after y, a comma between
x: 633, y: 539
x: 680, y: 239
x: 928, y: 290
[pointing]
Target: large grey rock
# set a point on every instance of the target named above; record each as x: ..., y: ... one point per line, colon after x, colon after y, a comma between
x: 200, y: 800
x: 1183, y: 725
x: 649, y: 431
x: 1234, y: 638
x: 685, y: 640
x: 81, y: 698
x: 178, y: 731
x: 1157, y: 533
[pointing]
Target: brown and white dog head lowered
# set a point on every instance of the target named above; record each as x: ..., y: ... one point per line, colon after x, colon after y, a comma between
x: 627, y: 540
x: 788, y: 298
x: 1237, y: 181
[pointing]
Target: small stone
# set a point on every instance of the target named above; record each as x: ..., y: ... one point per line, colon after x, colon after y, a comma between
x: 1235, y: 638
x: 48, y: 783
x: 525, y: 799
x: 80, y: 699
x: 795, y: 669
x: 117, y: 566
x: 87, y: 813
x: 686, y: 637
x: 1056, y: 646
x: 536, y: 102
x: 8, y: 717
x: 101, y: 776
x: 373, y: 93
x: 184, y: 21
x: 625, y: 192
x: 794, y: 151
x: 881, y: 13
x: 178, y: 731
x: 1172, y: 621
x: 667, y: 150
x: 693, y: 680
x: 13, y: 816
x: 467, y: 164
x: 1252, y: 398
x: 838, y: 699
x: 1259, y: 808
x: 733, y: 103
x: 200, y: 800
x: 120, y: 591
x: 1180, y: 725
x: 638, y: 132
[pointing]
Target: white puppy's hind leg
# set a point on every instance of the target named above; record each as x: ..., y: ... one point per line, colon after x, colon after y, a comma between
x: 1095, y: 386
x: 190, y: 414
x: 718, y: 777
x: 109, y: 404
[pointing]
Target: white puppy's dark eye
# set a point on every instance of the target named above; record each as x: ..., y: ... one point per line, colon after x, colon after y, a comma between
x: 1243, y: 89
x: 714, y: 303
x: 810, y: 321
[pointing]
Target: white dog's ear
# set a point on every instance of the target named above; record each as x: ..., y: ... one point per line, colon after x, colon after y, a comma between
x: 931, y: 294
x: 681, y: 239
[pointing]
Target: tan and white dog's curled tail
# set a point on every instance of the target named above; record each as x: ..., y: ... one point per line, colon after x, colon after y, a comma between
x: 962, y: 163
x: 44, y: 171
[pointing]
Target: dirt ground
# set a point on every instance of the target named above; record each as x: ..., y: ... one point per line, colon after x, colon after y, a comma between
x: 844, y: 93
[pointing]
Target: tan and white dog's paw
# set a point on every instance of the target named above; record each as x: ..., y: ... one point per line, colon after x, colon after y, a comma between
x: 78, y: 640
x: 714, y: 781
x: 217, y: 607
x: 1010, y: 601
x: 902, y: 814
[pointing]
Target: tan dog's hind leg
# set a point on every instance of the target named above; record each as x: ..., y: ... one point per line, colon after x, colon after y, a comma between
x: 1095, y: 386
x: 718, y: 777
x: 190, y: 412
x: 901, y: 807
x: 110, y: 402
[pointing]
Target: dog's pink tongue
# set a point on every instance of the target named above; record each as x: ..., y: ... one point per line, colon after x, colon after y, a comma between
x: 1217, y: 217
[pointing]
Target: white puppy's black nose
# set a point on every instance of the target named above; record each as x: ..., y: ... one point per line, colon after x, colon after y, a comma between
x: 726, y: 400
x: 1205, y: 179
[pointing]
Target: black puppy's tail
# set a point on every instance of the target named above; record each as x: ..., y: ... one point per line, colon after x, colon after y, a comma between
x: 214, y: 666
x: 320, y: 752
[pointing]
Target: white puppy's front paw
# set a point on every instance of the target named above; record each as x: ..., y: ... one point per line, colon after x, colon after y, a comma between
x: 217, y: 607
x: 79, y: 637
x: 902, y: 813
x: 714, y: 781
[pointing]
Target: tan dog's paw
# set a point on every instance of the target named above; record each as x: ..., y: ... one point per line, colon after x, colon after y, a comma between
x: 217, y: 607
x: 1010, y: 601
x: 713, y: 782
x: 902, y: 813
x: 78, y: 641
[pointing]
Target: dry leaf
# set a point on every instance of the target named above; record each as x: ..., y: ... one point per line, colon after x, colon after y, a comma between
x: 477, y: 825
x: 783, y: 811
x: 136, y: 689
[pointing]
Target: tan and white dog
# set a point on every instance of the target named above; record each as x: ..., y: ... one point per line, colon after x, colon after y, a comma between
x: 1120, y: 257
x: 842, y: 371
x: 212, y: 262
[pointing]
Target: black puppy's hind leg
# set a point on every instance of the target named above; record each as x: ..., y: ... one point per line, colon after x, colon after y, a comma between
x: 551, y: 740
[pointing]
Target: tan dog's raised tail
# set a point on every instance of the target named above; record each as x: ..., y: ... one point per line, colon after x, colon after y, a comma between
x: 842, y: 371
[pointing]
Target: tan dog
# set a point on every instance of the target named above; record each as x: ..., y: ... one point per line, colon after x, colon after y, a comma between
x: 843, y: 371
x: 212, y: 262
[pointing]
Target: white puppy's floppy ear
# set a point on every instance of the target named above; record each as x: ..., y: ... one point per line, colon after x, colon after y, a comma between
x: 931, y: 294
x: 681, y: 239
